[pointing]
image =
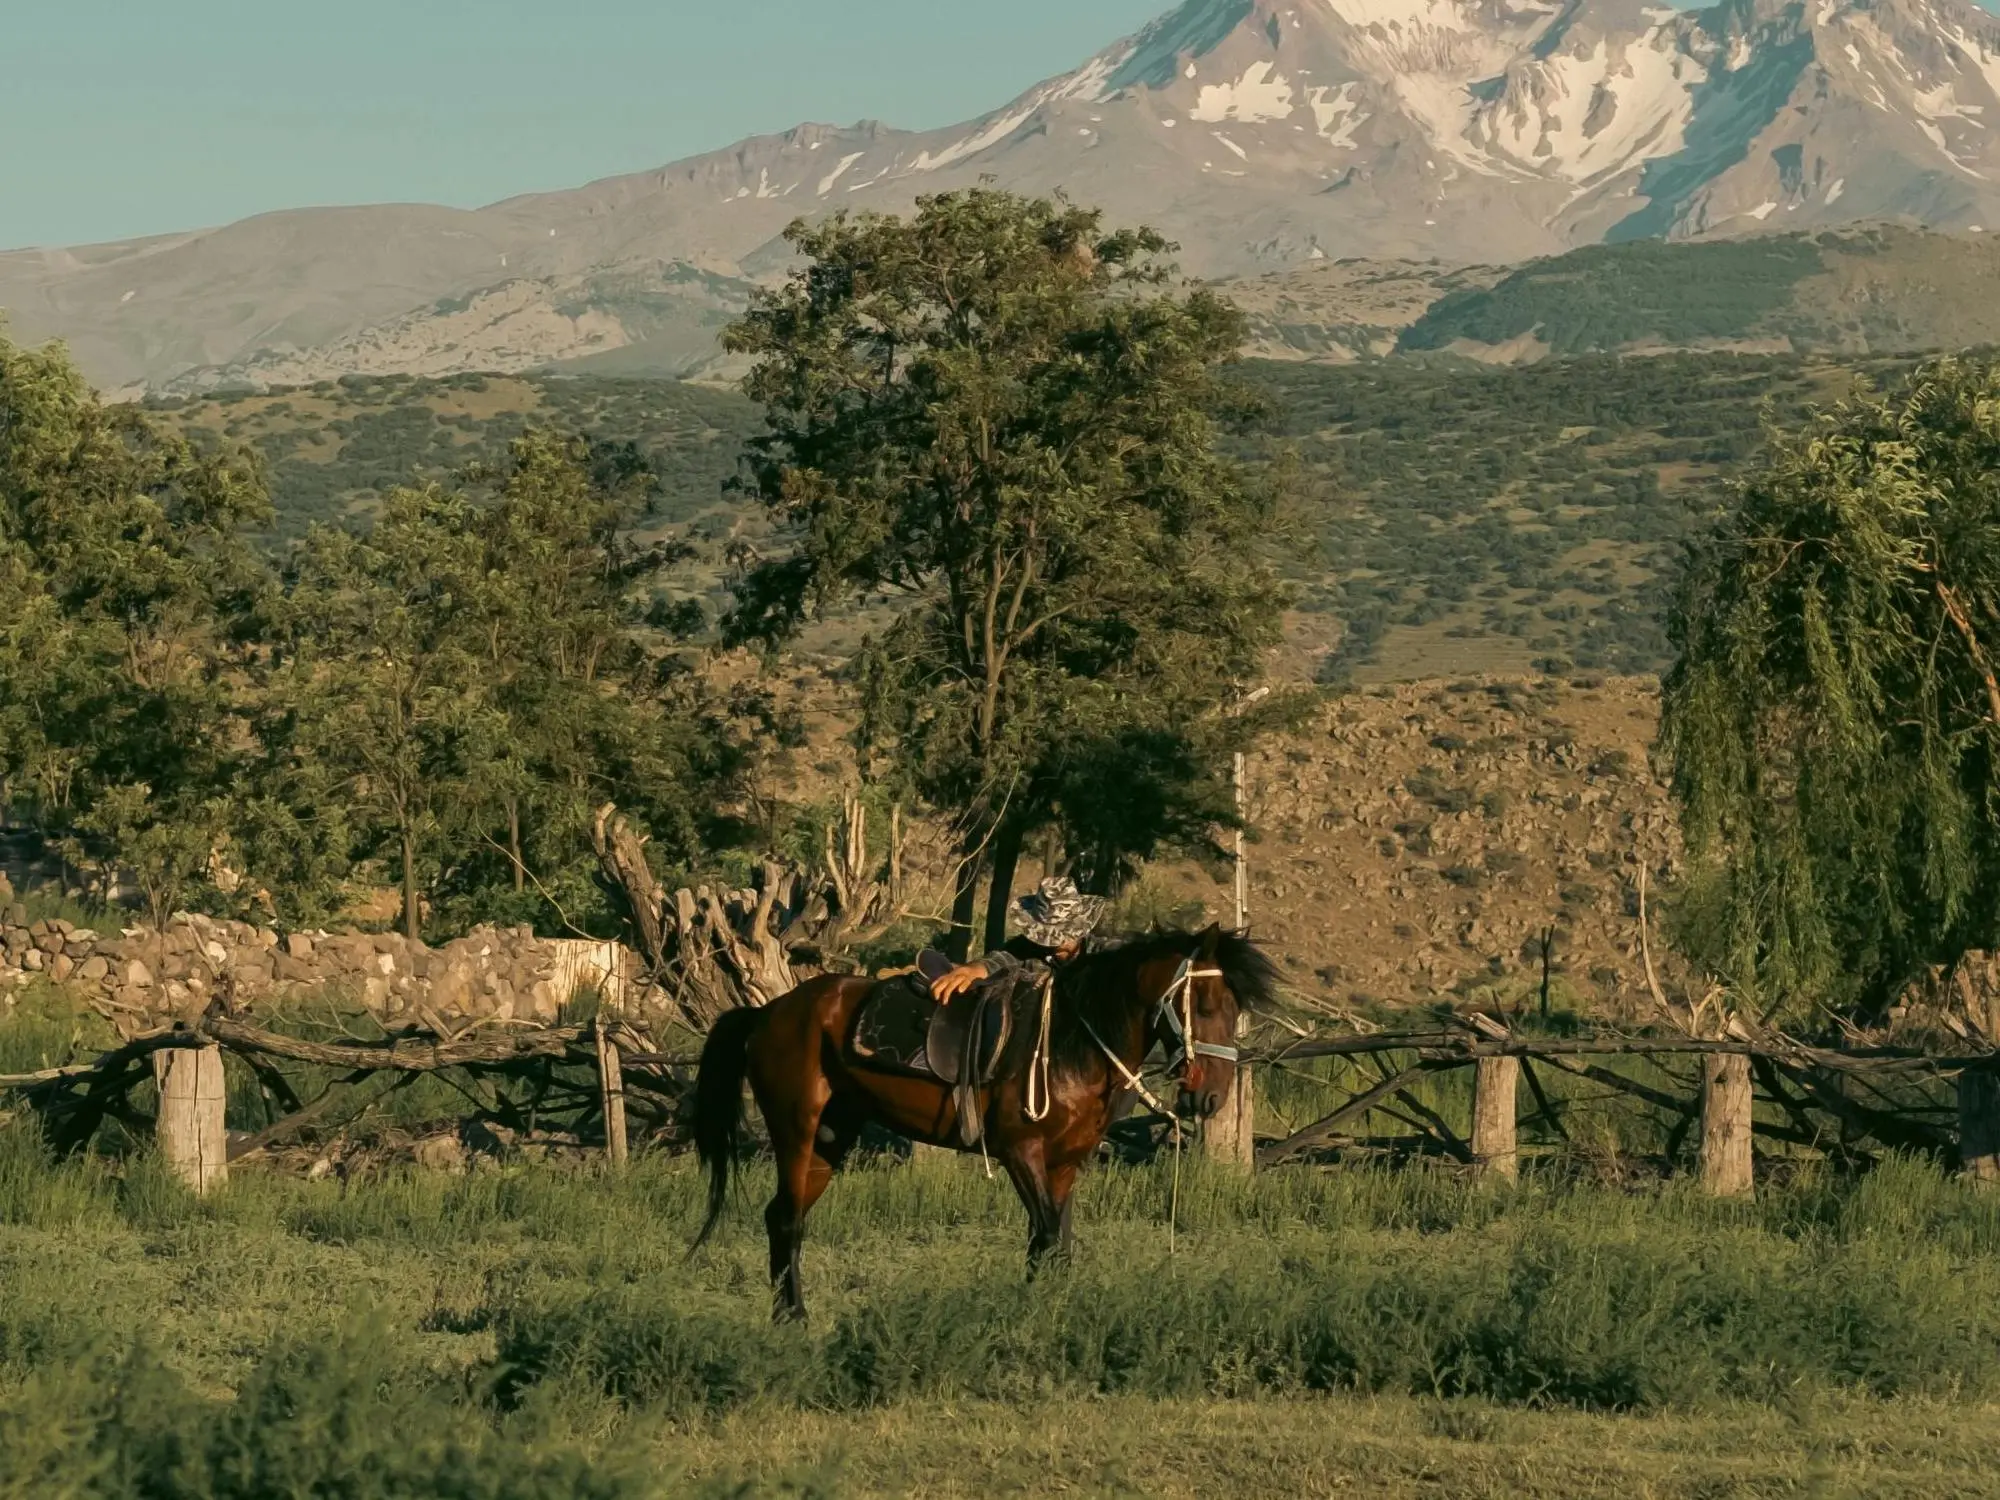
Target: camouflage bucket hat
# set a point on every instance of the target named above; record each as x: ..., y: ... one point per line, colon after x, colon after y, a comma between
x: 1056, y: 912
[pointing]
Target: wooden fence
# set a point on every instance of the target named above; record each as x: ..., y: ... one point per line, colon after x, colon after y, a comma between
x: 611, y: 1069
x: 1797, y: 1079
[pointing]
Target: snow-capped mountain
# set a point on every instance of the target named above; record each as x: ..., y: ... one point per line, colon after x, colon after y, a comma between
x: 1259, y: 133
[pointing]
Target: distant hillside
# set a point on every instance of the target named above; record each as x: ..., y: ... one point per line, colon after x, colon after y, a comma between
x: 1470, y: 518
x: 1876, y: 290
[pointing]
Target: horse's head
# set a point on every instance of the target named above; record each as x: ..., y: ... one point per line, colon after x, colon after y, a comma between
x: 1195, y: 1023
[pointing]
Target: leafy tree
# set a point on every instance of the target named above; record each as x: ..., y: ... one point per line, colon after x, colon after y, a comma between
x: 122, y: 574
x: 592, y: 704
x: 1834, y: 717
x: 466, y: 681
x: 998, y: 416
x: 380, y: 700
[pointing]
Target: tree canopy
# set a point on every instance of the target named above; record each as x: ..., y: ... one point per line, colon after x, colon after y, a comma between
x: 1833, y: 720
x: 121, y: 570
x: 441, y: 695
x: 996, y: 424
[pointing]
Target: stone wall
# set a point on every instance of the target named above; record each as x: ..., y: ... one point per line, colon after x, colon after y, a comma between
x: 155, y: 976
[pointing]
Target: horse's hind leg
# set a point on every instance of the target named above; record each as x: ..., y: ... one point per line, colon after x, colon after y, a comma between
x: 802, y: 1176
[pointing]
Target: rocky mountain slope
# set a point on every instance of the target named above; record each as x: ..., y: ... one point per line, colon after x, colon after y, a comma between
x: 1262, y: 133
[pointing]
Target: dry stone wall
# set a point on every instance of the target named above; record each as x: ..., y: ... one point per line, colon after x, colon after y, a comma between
x: 491, y: 973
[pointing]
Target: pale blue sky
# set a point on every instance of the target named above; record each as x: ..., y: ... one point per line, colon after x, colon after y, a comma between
x: 125, y: 117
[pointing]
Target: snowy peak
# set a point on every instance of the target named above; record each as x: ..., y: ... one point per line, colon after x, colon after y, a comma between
x: 1266, y: 131
x: 1257, y: 133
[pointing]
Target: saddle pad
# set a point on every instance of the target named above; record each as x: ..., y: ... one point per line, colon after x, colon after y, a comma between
x: 893, y: 1026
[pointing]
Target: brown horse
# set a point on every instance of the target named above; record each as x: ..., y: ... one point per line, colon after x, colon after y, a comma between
x: 816, y: 1095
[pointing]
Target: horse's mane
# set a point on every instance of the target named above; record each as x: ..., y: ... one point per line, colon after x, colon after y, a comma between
x: 1102, y: 988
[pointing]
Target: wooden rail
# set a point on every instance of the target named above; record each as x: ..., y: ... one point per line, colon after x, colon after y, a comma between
x: 1733, y: 1068
x: 627, y: 1070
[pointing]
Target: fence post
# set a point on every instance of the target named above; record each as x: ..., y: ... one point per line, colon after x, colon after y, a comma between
x: 611, y: 1075
x: 1229, y: 1137
x: 191, y: 1133
x: 1979, y: 1125
x: 1725, y: 1126
x: 1496, y: 1150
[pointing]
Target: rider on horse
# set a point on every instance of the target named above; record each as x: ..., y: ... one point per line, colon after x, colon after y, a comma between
x: 1056, y: 923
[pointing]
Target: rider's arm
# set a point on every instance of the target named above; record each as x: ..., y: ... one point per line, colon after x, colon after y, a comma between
x: 965, y: 976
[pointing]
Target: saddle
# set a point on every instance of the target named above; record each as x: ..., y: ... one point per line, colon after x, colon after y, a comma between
x: 962, y: 1043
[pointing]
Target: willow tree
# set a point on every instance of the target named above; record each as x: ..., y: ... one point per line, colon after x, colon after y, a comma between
x: 1833, y: 721
x: 997, y: 416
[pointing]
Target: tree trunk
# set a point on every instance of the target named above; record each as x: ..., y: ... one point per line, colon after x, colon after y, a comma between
x: 965, y: 901
x: 1000, y: 888
x: 514, y: 845
x: 191, y: 1134
x: 896, y: 860
x: 1725, y: 1127
x: 1496, y: 1150
x: 621, y: 854
x: 1979, y: 1126
x: 410, y: 915
x: 1229, y: 1137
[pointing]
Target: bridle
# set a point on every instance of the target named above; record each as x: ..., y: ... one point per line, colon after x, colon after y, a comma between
x: 1173, y: 1014
x: 1176, y: 1012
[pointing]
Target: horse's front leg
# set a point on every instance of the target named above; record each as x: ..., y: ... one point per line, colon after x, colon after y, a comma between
x: 1062, y: 1180
x: 1027, y: 1170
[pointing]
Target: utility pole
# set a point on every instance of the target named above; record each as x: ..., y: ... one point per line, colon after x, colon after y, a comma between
x: 1242, y: 806
x: 1242, y: 865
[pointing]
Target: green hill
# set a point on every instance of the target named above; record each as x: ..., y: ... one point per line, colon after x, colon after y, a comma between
x: 1879, y: 289
x: 1470, y: 517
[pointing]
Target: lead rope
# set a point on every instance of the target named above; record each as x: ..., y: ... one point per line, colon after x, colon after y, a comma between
x: 1188, y: 1042
x: 1138, y: 1085
x: 1038, y: 1065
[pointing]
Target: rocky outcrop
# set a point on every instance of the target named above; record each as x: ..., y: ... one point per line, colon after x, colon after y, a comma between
x: 144, y: 976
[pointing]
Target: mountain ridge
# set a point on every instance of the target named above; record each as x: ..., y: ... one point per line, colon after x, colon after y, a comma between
x: 1259, y: 133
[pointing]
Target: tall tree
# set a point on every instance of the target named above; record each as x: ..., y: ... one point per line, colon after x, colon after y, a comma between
x: 380, y: 696
x: 1833, y: 721
x: 1001, y: 416
x: 594, y: 703
x: 122, y: 571
x: 464, y: 682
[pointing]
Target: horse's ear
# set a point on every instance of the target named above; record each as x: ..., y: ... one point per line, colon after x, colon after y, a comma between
x: 1210, y: 940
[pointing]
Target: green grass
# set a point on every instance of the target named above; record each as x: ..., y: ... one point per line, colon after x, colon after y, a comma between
x: 537, y: 1331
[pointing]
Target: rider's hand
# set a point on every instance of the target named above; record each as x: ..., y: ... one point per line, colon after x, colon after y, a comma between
x: 958, y: 981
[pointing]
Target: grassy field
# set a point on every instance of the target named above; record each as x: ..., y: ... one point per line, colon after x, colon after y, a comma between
x: 535, y: 1331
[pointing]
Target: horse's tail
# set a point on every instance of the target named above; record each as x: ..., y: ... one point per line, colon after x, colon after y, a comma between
x: 718, y: 1105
